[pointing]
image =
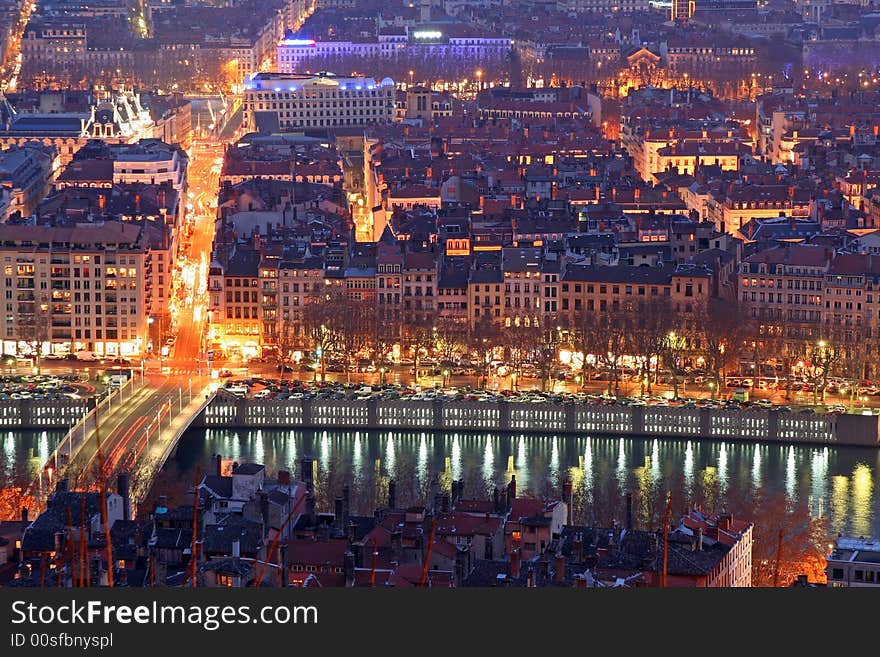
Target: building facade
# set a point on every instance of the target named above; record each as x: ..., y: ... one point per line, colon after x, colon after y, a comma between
x: 320, y: 101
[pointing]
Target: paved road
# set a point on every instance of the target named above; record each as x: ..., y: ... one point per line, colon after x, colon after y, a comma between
x: 131, y: 434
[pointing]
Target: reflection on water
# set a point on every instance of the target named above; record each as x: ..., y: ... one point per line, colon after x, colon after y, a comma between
x: 22, y: 454
x: 838, y: 482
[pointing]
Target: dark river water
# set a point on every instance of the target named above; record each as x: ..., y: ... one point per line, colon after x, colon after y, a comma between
x: 839, y: 483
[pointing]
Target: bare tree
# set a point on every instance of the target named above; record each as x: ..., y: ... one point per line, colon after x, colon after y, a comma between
x: 519, y: 341
x: 450, y: 338
x: 319, y: 318
x: 723, y: 331
x: 350, y: 322
x: 418, y: 334
x: 35, y: 330
x: 485, y: 337
x: 548, y: 340
x: 823, y: 357
x: 649, y: 325
x: 287, y: 342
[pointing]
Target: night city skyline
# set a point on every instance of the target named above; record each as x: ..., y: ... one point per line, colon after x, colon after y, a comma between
x: 442, y: 293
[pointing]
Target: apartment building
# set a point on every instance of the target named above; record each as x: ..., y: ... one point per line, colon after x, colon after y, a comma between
x: 281, y: 101
x: 485, y: 294
x: 783, y: 289
x: 684, y: 288
x: 419, y: 276
x: 522, y: 285
x: 78, y: 287
x: 235, y: 311
x: 739, y: 204
x: 854, y: 562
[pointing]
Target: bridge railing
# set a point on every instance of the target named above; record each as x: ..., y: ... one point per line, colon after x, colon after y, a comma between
x: 168, y: 437
x: 68, y: 447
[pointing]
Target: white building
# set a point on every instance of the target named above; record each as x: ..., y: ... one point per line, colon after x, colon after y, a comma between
x: 316, y: 101
x: 151, y: 162
x: 445, y: 41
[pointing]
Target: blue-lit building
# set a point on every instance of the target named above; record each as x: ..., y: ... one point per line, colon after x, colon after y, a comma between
x: 283, y: 102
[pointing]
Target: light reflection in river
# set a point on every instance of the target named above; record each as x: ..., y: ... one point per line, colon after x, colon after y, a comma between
x: 838, y: 482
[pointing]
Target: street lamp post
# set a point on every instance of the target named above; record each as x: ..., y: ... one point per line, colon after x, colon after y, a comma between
x: 445, y: 377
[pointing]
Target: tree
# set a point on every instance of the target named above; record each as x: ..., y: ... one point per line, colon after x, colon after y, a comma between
x: 854, y: 360
x: 286, y: 340
x: 418, y: 334
x: 823, y: 356
x: 35, y: 330
x: 450, y: 338
x: 380, y: 336
x: 723, y: 332
x: 549, y: 339
x: 319, y: 318
x: 485, y: 337
x: 786, y: 540
x: 649, y: 325
x: 350, y: 322
x: 519, y: 341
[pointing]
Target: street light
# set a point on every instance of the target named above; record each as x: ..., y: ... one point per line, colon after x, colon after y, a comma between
x: 445, y: 377
x: 382, y: 376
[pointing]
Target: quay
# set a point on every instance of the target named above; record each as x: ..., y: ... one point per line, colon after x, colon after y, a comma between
x: 750, y: 424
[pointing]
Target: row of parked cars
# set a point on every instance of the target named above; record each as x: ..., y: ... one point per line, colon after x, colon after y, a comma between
x: 42, y: 386
x: 262, y: 388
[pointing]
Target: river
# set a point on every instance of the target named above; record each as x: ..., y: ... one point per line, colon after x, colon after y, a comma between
x: 838, y: 483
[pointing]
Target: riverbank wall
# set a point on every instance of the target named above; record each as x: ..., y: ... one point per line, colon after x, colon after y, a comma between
x: 751, y: 424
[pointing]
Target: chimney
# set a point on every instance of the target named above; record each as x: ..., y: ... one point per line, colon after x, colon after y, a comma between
x: 577, y: 548
x: 567, y: 497
x: 348, y: 568
x: 63, y: 485
x: 638, y: 194
x: 559, y: 575
x: 24, y: 515
x: 338, y: 513
x: 264, y: 511
x: 283, y: 552
x: 629, y: 510
x: 310, y: 508
x: 218, y: 458
x: 346, y: 504
x: 514, y: 563
x: 122, y: 489
x: 511, y: 490
x: 236, y: 547
x: 307, y: 474
x: 699, y: 539
x: 284, y: 478
x: 59, y: 539
x: 392, y: 494
x: 396, y: 545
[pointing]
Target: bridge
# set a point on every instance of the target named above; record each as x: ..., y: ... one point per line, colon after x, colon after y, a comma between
x: 137, y: 428
x: 133, y: 430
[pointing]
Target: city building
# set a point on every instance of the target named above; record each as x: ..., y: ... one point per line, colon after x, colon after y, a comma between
x: 26, y: 172
x: 450, y: 41
x: 68, y: 122
x: 854, y: 562
x: 286, y: 102
x: 81, y: 287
